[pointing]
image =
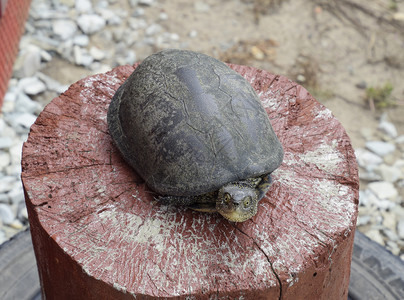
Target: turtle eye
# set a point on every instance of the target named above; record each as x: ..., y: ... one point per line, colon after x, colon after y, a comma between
x: 247, y: 201
x: 227, y: 197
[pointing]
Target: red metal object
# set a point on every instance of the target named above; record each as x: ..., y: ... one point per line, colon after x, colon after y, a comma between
x: 13, y: 15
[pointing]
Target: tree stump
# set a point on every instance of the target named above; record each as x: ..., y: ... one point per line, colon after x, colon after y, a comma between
x: 98, y: 234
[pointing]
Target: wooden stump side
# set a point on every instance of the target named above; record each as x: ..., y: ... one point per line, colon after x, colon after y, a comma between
x: 97, y: 233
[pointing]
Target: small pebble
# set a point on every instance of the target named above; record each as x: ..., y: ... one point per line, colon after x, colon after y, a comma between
x: 380, y: 148
x: 389, y: 173
x: 193, y: 34
x: 400, y: 229
x: 388, y: 128
x: 83, y: 6
x: 31, y: 85
x: 375, y: 235
x: 383, y: 190
x: 5, y: 142
x: 96, y: 53
x: 64, y: 29
x: 6, y: 214
x: 361, y: 85
x: 90, y: 23
x: 4, y: 159
x: 366, y: 158
x: 81, y: 40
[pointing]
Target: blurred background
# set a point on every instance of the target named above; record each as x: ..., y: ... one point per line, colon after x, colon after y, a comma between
x: 349, y: 54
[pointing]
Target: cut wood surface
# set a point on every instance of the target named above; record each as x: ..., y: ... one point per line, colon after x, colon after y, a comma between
x: 98, y: 234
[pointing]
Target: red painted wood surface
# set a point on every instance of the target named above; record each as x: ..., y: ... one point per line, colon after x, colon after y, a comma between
x: 13, y: 15
x: 97, y: 233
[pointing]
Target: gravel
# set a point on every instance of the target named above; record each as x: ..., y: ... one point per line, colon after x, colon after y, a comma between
x: 381, y: 211
x: 77, y: 32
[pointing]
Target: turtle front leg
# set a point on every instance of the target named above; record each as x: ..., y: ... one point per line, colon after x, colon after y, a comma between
x: 264, y: 185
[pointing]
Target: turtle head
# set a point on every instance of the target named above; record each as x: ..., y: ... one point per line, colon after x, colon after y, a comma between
x: 237, y: 202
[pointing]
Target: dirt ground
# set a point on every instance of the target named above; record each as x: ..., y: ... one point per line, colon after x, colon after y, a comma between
x: 334, y: 48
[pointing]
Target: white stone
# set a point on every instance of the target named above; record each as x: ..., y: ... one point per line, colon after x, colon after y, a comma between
x: 400, y: 139
x: 5, y: 142
x: 118, y: 33
x: 65, y: 29
x: 388, y: 128
x: 193, y: 34
x: 16, y: 152
x: 375, y: 235
x: 83, y: 6
x: 97, y: 53
x: 16, y: 224
x: 131, y: 57
x: 153, y: 29
x: 82, y: 57
x: 7, y: 107
x: 393, y: 247
x: 31, y: 85
x: 363, y: 220
x: 29, y: 62
x: 110, y: 16
x: 174, y: 37
x: 384, y: 204
x: 3, y: 199
x: 367, y: 198
x: 380, y: 148
x: 400, y: 229
x: 22, y: 119
x: 4, y: 159
x: 11, y: 94
x: 6, y: 131
x: 69, y: 3
x: 16, y: 195
x: 369, y: 175
x: 389, y: 220
x: 399, y: 164
x: 114, y: 20
x: 24, y: 213
x: 391, y: 235
x: 52, y: 84
x: 46, y: 56
x: 24, y: 104
x: 6, y: 183
x: 137, y: 24
x: 13, y: 170
x: 100, y: 68
x: 138, y: 12
x: 81, y: 40
x: 389, y: 173
x: 90, y: 23
x: 366, y: 158
x: 6, y: 214
x: 383, y: 190
x: 163, y: 16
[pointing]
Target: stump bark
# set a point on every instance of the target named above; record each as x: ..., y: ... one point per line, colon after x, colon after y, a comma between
x: 97, y: 234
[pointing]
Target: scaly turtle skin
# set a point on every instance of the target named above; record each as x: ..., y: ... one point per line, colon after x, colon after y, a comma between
x: 190, y: 125
x: 236, y: 201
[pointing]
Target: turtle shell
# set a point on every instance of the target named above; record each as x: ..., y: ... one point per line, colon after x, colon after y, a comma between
x: 188, y: 124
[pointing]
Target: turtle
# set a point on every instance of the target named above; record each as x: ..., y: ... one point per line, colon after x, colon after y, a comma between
x: 196, y: 132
